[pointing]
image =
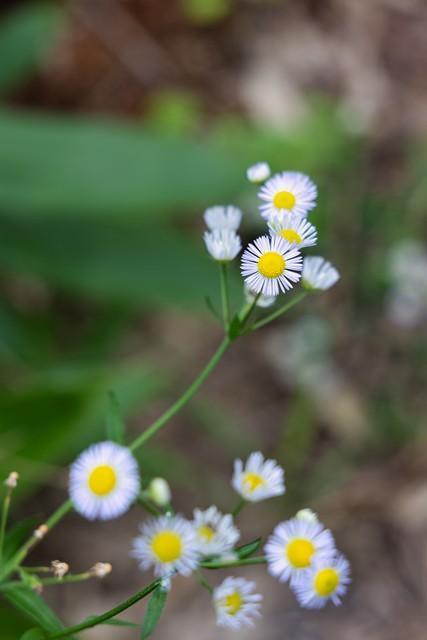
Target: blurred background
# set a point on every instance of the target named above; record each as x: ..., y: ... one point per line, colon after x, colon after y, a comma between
x: 120, y: 121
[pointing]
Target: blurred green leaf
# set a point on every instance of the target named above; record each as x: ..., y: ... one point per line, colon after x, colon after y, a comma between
x: 33, y: 634
x: 154, y: 611
x: 32, y: 606
x: 16, y: 536
x: 115, y: 424
x: 26, y: 34
x: 174, y: 112
x: 249, y: 549
x: 206, y: 11
x: 115, y: 622
x: 59, y: 166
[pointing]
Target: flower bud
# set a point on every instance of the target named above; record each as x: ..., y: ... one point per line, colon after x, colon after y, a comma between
x: 308, y: 515
x: 101, y: 569
x: 12, y: 480
x: 58, y: 568
x: 41, y: 531
x: 159, y: 492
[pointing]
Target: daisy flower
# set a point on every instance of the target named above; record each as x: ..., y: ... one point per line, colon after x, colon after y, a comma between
x: 328, y: 580
x: 288, y: 192
x: 258, y: 479
x: 167, y: 544
x: 222, y: 244
x: 271, y: 265
x: 258, y: 172
x: 293, y: 547
x: 236, y: 604
x: 215, y: 533
x: 318, y: 274
x: 262, y: 301
x: 295, y: 229
x: 104, y: 481
x: 218, y: 217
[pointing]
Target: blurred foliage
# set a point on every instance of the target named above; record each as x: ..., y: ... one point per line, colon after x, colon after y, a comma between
x: 205, y: 12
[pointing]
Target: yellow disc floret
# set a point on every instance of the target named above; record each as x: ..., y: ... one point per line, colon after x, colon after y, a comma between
x: 326, y: 582
x: 102, y: 480
x: 252, y: 481
x: 291, y: 236
x: 299, y: 552
x: 284, y: 200
x: 271, y: 264
x: 167, y: 546
x: 205, y: 532
x: 233, y: 603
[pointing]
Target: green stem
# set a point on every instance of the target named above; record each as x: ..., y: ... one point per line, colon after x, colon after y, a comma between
x: 191, y: 390
x: 237, y: 509
x: 146, y: 504
x: 77, y: 577
x: 19, y: 556
x: 112, y: 613
x: 247, y: 310
x: 278, y: 312
x: 212, y: 564
x: 225, y: 299
x: 202, y: 580
x: 3, y: 522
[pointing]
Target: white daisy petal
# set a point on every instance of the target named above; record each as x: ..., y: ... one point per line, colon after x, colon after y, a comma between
x: 271, y: 265
x: 167, y: 544
x: 318, y: 274
x: 222, y: 244
x: 259, y: 479
x: 293, y: 547
x: 327, y: 580
x: 258, y: 172
x: 219, y: 217
x: 215, y: 533
x: 104, y: 481
x: 294, y: 229
x: 288, y: 192
x: 236, y: 604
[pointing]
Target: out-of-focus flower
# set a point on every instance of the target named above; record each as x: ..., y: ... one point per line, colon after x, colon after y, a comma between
x: 12, y: 480
x: 263, y: 301
x: 271, y: 265
x: 328, y: 580
x: 219, y: 217
x: 159, y: 492
x: 236, y: 603
x: 104, y: 481
x: 406, y: 303
x: 259, y: 478
x: 258, y: 172
x: 318, y: 274
x: 307, y: 514
x: 222, y: 244
x: 215, y: 532
x: 295, y: 229
x: 288, y: 192
x: 59, y: 569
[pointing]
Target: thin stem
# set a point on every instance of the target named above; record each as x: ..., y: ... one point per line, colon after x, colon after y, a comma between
x: 247, y: 311
x: 146, y: 504
x: 202, y: 580
x: 225, y: 299
x: 77, y: 577
x: 212, y: 564
x: 278, y: 312
x: 4, y: 515
x: 19, y: 556
x: 112, y: 613
x: 239, y: 506
x: 191, y: 390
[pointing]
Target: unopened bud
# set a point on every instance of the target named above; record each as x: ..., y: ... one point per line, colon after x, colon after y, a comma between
x: 101, y: 569
x: 59, y: 569
x: 12, y: 480
x: 159, y: 492
x: 307, y: 515
x: 41, y: 531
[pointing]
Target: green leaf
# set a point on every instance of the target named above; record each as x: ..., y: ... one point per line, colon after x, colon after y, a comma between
x: 26, y: 34
x: 32, y: 606
x: 121, y: 623
x: 235, y: 327
x: 212, y: 309
x: 154, y: 611
x: 249, y: 549
x: 117, y: 171
x: 17, y: 535
x: 115, y: 424
x: 34, y: 634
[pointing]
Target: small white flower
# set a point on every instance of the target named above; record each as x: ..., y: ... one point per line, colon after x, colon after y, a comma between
x: 258, y: 172
x: 228, y: 217
x: 222, y: 244
x: 288, y: 192
x: 167, y: 544
x: 104, y: 481
x: 318, y: 274
x: 159, y: 492
x: 258, y: 479
x: 327, y: 580
x: 263, y: 301
x: 11, y: 481
x: 215, y: 533
x: 307, y: 514
x: 271, y: 265
x: 293, y: 547
x: 295, y: 229
x: 236, y: 604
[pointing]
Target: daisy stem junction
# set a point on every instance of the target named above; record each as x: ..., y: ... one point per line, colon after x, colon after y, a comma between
x: 279, y: 311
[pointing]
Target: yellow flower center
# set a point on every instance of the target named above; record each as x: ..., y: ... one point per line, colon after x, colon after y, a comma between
x: 167, y: 546
x: 102, y: 480
x: 284, y: 200
x: 326, y: 582
x: 233, y: 603
x: 271, y: 264
x: 299, y: 552
x: 205, y: 532
x: 252, y: 481
x: 291, y: 236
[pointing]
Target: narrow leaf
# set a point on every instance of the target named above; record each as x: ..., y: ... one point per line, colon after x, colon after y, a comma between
x: 32, y: 605
x: 235, y: 327
x: 17, y: 535
x: 115, y: 424
x: 114, y: 622
x: 249, y: 549
x: 154, y: 611
x: 33, y: 634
